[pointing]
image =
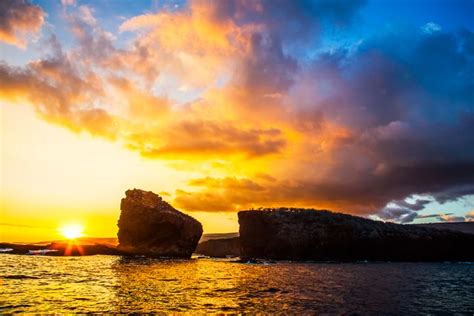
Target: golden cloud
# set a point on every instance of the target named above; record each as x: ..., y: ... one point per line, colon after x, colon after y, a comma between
x: 213, y: 85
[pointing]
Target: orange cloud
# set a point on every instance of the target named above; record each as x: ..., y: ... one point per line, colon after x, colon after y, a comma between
x: 58, y: 95
x: 194, y: 45
x: 18, y: 18
x: 247, y: 120
x: 212, y: 139
x: 470, y: 216
x: 215, y: 85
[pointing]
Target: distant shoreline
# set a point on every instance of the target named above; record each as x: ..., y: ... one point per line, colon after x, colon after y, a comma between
x: 88, y: 246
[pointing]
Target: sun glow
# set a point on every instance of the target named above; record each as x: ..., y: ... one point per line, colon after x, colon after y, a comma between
x: 72, y: 231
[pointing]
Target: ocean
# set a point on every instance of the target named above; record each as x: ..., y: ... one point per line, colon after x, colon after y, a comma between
x: 123, y: 285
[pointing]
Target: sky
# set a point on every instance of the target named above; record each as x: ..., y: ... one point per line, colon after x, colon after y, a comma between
x: 361, y: 107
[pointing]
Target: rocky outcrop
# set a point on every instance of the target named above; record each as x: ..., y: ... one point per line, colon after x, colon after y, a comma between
x: 150, y: 226
x: 464, y: 227
x: 220, y: 248
x: 301, y: 234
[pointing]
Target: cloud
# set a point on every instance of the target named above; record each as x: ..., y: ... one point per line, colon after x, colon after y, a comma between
x: 418, y: 205
x: 431, y: 27
x: 290, y: 20
x: 59, y: 93
x: 401, y: 136
x: 65, y: 89
x: 18, y: 19
x: 404, y: 212
x: 356, y: 128
x: 397, y: 214
x: 470, y: 216
x: 13, y: 225
x: 213, y: 139
x: 450, y: 218
x: 232, y: 194
x: 68, y: 2
x: 87, y: 14
x: 454, y: 193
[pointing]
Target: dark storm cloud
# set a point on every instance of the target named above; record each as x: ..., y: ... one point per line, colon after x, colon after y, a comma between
x: 418, y: 205
x: 404, y: 212
x: 398, y: 214
x: 266, y: 70
x: 292, y: 20
x: 407, y: 102
x: 454, y: 193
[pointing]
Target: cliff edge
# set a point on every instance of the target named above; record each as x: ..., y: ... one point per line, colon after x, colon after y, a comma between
x: 303, y: 234
x: 150, y: 226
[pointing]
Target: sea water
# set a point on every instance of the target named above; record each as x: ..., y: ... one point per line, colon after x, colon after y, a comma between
x: 116, y: 284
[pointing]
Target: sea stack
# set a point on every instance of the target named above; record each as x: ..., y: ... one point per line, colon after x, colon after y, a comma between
x: 302, y: 234
x: 150, y: 226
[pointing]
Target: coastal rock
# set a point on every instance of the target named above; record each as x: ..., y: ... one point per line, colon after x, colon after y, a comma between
x: 150, y: 226
x: 220, y: 248
x: 302, y: 234
x: 464, y: 227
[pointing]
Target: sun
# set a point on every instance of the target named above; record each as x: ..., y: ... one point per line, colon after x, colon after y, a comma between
x: 72, y: 231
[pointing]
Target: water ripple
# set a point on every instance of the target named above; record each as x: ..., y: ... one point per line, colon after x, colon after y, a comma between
x: 123, y: 285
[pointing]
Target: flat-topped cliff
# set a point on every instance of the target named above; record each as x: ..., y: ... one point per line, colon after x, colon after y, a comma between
x: 303, y: 234
x: 464, y: 227
x: 222, y: 247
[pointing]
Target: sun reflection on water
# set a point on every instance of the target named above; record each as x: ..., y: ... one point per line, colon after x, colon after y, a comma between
x: 123, y: 285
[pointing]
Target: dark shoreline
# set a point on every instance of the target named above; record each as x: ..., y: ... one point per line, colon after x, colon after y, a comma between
x: 60, y: 249
x: 238, y: 260
x: 214, y: 246
x: 22, y: 250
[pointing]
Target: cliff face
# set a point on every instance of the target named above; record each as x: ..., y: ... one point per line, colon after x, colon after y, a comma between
x: 299, y: 234
x: 463, y: 227
x: 220, y: 248
x: 150, y: 226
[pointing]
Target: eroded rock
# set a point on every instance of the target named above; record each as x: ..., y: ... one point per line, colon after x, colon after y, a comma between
x: 220, y: 248
x: 150, y: 226
x: 301, y: 234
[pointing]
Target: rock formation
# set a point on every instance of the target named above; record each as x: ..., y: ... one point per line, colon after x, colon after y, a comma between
x: 221, y: 248
x: 150, y: 226
x: 301, y: 234
x: 464, y: 227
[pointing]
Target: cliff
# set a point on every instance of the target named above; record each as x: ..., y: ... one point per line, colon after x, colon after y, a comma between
x: 464, y: 227
x: 150, y: 226
x: 302, y: 234
x: 220, y: 248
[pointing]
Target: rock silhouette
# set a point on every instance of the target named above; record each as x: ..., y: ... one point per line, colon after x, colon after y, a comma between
x: 220, y: 248
x: 302, y: 234
x: 464, y: 227
x: 150, y: 226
